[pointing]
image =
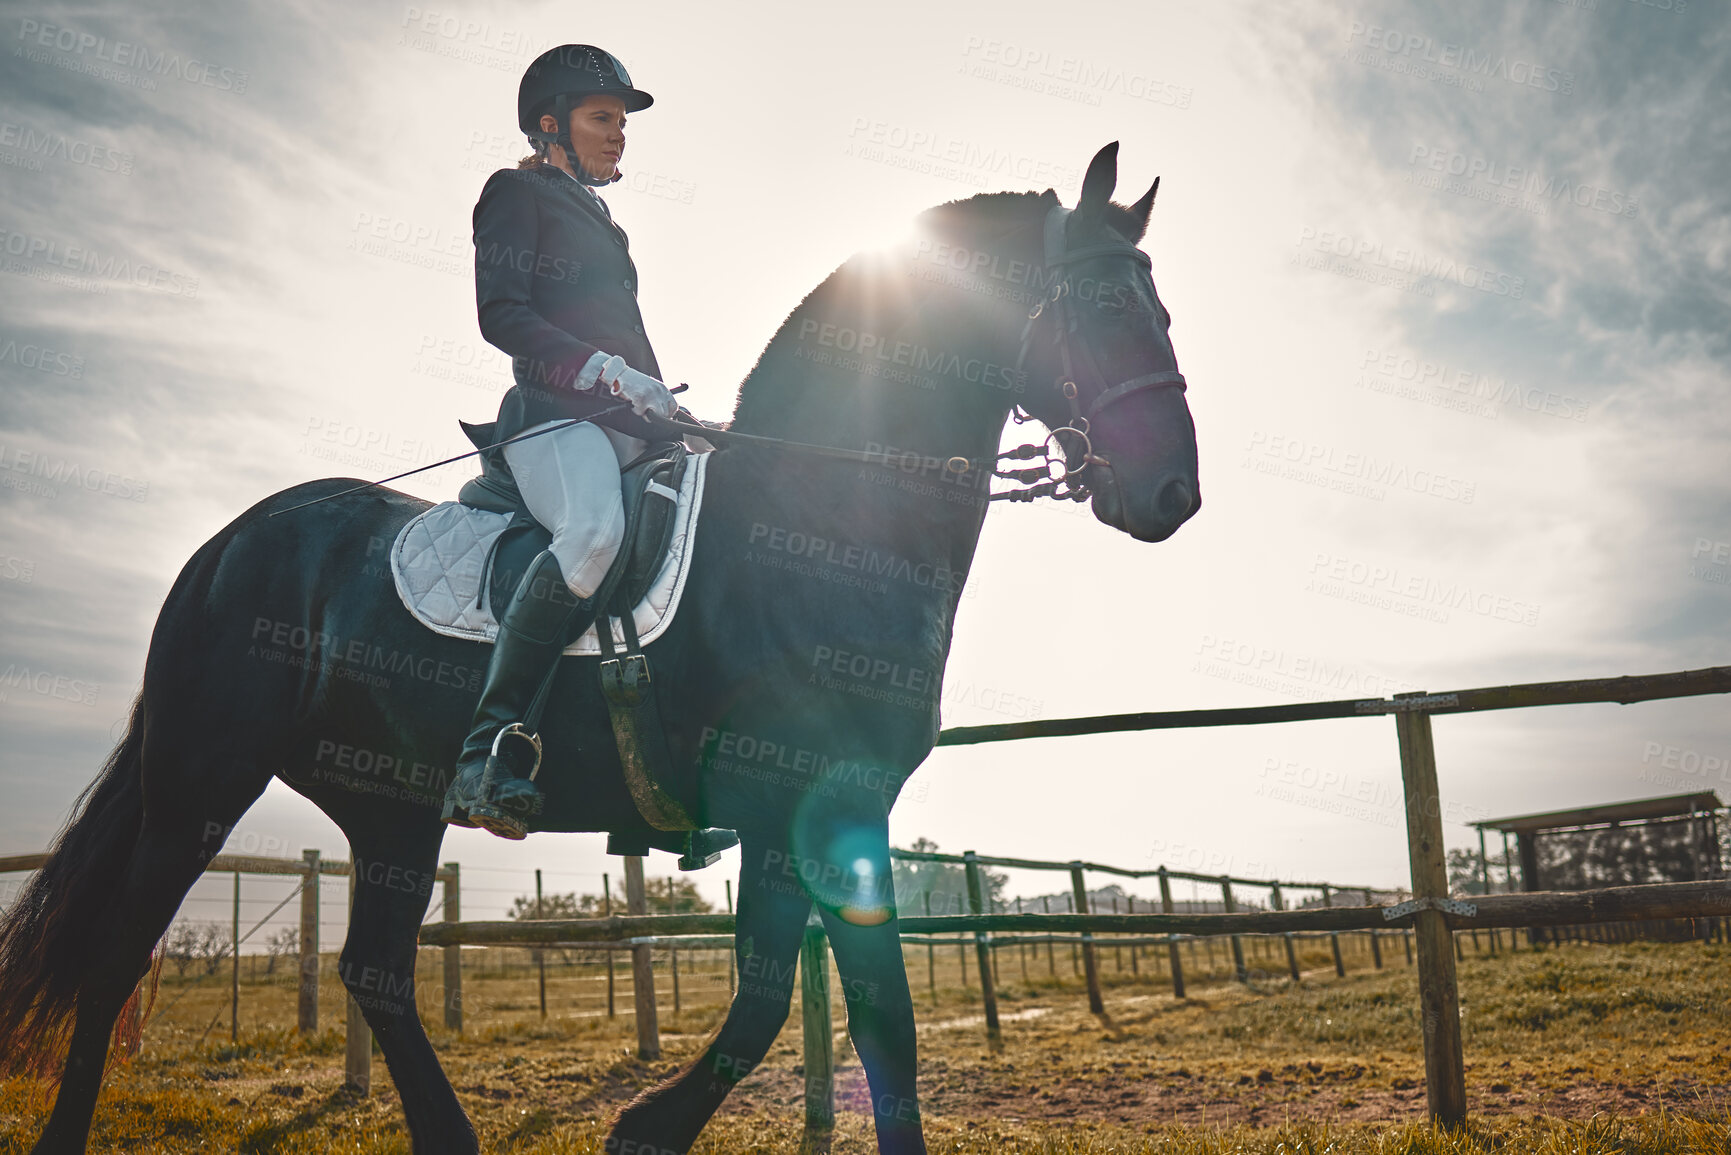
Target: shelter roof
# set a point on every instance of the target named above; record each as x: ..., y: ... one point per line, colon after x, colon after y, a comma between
x: 1638, y: 810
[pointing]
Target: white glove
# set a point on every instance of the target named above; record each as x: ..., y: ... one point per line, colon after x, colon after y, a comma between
x: 645, y: 393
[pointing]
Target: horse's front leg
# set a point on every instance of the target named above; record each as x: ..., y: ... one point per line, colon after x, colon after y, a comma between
x: 771, y: 922
x: 880, y: 1009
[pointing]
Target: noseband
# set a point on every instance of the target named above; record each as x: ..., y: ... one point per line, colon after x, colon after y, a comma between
x: 1070, y: 484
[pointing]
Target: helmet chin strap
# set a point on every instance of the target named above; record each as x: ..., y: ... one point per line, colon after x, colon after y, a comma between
x: 544, y: 140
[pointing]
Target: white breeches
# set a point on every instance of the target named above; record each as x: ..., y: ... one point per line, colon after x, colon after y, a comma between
x: 570, y: 483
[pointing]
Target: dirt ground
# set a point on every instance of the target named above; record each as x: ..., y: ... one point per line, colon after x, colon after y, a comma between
x: 1579, y: 1033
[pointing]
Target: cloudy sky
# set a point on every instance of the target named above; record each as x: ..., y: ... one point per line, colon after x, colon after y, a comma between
x: 1450, y: 287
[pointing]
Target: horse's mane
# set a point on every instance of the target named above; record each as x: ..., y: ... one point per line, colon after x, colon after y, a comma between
x: 978, y: 222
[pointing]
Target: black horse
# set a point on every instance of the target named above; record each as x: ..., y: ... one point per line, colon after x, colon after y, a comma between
x: 799, y: 683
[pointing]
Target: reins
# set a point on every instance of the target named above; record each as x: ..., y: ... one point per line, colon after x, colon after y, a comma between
x: 1068, y: 485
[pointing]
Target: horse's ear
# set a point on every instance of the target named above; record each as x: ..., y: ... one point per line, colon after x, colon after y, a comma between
x: 1097, y: 188
x: 1139, y: 212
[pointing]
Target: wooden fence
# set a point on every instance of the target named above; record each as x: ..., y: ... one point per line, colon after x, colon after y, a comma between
x: 311, y: 867
x: 1431, y: 913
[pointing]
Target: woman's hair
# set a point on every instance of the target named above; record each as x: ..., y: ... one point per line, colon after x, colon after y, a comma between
x: 536, y: 159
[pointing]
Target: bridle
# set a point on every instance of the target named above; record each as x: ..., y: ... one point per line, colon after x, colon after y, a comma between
x: 1069, y: 483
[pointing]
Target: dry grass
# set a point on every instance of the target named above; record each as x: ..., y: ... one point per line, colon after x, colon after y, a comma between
x: 1582, y: 1049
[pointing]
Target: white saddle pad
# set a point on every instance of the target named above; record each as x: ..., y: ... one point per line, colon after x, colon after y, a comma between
x: 438, y: 557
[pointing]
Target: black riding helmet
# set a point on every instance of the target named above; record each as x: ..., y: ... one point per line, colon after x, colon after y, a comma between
x: 558, y: 81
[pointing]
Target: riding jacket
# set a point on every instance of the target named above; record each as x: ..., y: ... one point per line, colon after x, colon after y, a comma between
x: 554, y: 284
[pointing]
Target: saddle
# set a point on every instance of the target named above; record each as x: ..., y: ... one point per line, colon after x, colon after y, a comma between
x: 649, y: 488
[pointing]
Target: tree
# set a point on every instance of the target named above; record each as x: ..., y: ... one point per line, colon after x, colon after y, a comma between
x: 684, y: 899
x: 282, y: 944
x: 205, y: 942
x: 567, y: 905
x: 180, y: 946
x: 946, y: 882
x: 1463, y: 868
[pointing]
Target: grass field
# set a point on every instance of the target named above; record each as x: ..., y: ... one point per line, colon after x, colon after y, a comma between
x: 1583, y: 1048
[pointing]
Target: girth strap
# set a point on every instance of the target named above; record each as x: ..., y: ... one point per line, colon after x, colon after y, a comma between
x: 629, y: 688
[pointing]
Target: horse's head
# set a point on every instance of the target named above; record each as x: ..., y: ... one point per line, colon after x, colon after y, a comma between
x: 1099, y: 359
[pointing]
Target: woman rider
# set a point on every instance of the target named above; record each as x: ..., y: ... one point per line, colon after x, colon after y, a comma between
x: 556, y: 289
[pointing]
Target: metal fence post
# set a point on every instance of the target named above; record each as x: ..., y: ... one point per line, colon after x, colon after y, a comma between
x: 1439, y: 998
x: 819, y: 1034
x: 982, y: 950
x: 307, y: 1002
x: 1171, y: 939
x: 607, y: 912
x: 234, y: 972
x: 540, y: 953
x: 1079, y: 888
x: 642, y: 966
x: 453, y: 955
x: 728, y: 884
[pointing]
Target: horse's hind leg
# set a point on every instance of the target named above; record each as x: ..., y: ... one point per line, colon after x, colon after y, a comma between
x: 772, y: 912
x: 174, y: 844
x: 394, y: 862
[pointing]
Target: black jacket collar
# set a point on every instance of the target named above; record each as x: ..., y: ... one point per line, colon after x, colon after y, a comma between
x: 577, y: 192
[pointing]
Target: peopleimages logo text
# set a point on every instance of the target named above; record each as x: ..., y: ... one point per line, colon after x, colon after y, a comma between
x: 1473, y: 62
x: 125, y: 54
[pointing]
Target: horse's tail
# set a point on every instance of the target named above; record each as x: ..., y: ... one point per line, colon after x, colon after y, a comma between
x: 47, y: 937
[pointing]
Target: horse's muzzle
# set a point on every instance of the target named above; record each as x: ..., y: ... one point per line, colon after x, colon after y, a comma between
x: 1151, y: 514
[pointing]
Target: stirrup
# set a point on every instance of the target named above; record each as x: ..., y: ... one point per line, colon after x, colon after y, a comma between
x: 516, y: 729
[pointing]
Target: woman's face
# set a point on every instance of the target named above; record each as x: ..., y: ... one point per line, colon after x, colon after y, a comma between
x: 597, y: 133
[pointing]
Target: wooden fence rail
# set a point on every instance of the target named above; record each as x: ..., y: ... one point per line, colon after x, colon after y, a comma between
x: 1431, y: 914
x: 1710, y: 899
x: 1445, y: 1082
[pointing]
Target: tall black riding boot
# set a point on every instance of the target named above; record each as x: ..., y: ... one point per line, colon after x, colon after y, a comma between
x: 494, y: 786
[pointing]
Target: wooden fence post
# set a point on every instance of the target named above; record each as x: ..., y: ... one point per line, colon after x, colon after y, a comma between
x: 1275, y: 900
x: 1439, y: 998
x: 1136, y: 944
x: 358, y: 1037
x: 453, y: 959
x: 307, y: 1002
x: 727, y: 883
x: 817, y: 1029
x: 1022, y: 947
x: 931, y: 954
x: 1375, y: 948
x: 983, y: 950
x: 673, y: 951
x: 1051, y: 961
x: 642, y: 966
x: 1079, y: 889
x: 1239, y: 971
x: 1171, y: 939
x: 1334, y: 937
x: 991, y: 944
